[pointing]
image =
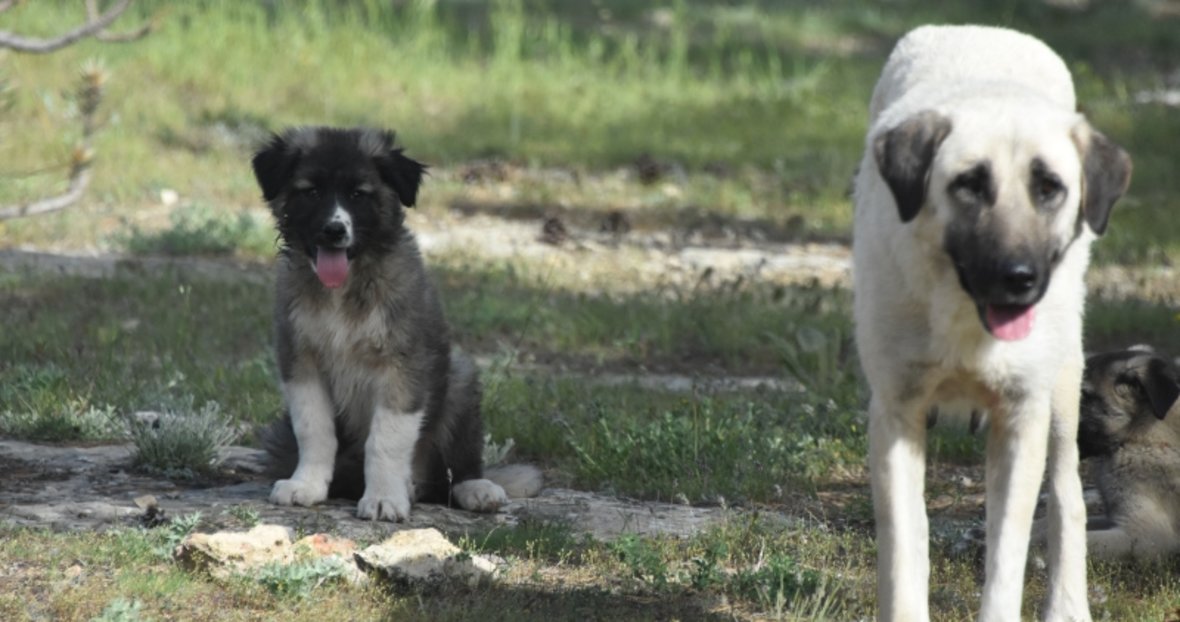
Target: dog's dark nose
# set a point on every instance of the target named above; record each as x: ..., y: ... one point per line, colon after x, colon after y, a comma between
x: 1019, y: 279
x: 334, y: 231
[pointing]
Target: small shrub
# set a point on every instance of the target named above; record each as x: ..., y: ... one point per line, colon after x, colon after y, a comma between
x: 247, y: 515
x: 198, y: 230
x: 185, y: 443
x: 73, y: 421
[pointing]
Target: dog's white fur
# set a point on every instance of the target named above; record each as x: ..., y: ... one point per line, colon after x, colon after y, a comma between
x: 919, y: 335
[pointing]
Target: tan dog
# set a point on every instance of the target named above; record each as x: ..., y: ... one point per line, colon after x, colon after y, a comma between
x: 1135, y: 446
x: 977, y: 199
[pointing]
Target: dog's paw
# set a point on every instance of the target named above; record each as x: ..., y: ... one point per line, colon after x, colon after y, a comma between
x: 298, y: 492
x: 479, y: 495
x: 390, y: 507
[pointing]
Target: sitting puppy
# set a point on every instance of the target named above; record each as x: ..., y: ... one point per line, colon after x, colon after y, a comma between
x: 1135, y: 447
x: 378, y: 406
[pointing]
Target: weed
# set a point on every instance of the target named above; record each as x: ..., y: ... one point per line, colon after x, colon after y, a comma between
x: 121, y: 610
x: 184, y: 443
x: 643, y: 560
x: 298, y: 579
x: 165, y: 539
x: 245, y: 514
x: 776, y: 581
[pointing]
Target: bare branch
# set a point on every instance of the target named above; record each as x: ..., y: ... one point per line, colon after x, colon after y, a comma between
x: 92, y: 27
x: 79, y: 180
x: 90, y: 93
x: 92, y: 13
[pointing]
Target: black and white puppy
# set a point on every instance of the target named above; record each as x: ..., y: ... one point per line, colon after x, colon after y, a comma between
x: 378, y: 406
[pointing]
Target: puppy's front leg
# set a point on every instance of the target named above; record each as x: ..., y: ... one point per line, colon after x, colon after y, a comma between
x: 897, y: 464
x: 389, y: 456
x: 1016, y: 447
x: 1066, y: 529
x: 315, y: 432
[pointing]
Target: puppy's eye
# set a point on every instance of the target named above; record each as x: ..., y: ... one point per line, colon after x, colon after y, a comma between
x: 310, y: 191
x: 359, y: 193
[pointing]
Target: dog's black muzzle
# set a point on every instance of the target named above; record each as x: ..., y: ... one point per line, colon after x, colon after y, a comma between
x: 1012, y: 281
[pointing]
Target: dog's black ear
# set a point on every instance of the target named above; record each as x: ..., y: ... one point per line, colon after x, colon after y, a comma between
x: 1106, y: 173
x: 273, y: 165
x: 904, y: 155
x: 399, y: 172
x: 1159, y: 381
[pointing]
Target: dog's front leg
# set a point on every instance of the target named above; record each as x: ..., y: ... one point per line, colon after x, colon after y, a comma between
x: 315, y: 432
x: 389, y: 456
x: 1016, y: 447
x: 897, y: 464
x: 1067, y: 598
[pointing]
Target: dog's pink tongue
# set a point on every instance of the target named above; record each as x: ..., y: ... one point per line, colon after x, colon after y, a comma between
x: 1010, y: 323
x: 331, y: 266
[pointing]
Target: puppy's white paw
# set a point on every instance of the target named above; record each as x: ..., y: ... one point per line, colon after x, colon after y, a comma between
x: 298, y: 492
x: 393, y: 507
x: 479, y: 495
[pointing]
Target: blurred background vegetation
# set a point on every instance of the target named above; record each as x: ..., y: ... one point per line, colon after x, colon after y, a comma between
x: 764, y: 101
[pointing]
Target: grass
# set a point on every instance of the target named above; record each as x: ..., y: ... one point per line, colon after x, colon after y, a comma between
x: 688, y: 117
x: 763, y: 104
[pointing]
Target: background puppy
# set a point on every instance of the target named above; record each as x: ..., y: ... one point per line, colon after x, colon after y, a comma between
x: 977, y: 199
x: 378, y: 407
x: 1135, y: 447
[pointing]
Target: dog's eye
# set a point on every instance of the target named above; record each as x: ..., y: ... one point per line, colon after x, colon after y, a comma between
x: 973, y: 186
x: 359, y: 193
x: 310, y: 192
x: 1047, y: 189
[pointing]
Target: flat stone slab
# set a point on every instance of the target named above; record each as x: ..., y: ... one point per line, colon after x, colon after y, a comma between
x: 94, y: 488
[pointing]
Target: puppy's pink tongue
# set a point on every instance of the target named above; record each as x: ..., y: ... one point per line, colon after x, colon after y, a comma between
x: 331, y: 266
x: 1010, y: 323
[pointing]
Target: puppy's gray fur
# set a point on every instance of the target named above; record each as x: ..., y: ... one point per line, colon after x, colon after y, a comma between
x: 977, y: 199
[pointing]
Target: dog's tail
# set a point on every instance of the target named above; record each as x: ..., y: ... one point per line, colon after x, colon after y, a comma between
x: 519, y: 481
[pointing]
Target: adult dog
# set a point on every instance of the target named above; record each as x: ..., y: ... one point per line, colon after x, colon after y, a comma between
x: 1135, y: 447
x: 979, y: 194
x: 378, y: 407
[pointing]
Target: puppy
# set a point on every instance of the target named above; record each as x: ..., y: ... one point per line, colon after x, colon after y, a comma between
x: 378, y: 406
x: 1135, y: 448
x: 978, y: 196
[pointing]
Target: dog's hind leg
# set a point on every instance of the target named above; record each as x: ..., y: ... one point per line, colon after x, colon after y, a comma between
x: 1016, y: 448
x: 1066, y: 599
x: 897, y: 464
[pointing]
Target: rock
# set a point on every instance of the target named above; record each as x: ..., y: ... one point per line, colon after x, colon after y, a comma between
x: 424, y: 557
x: 322, y: 545
x: 226, y: 553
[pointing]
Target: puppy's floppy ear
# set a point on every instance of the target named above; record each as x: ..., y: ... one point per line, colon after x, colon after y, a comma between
x: 1106, y: 173
x: 273, y: 165
x: 1159, y: 381
x: 904, y: 155
x: 399, y: 172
